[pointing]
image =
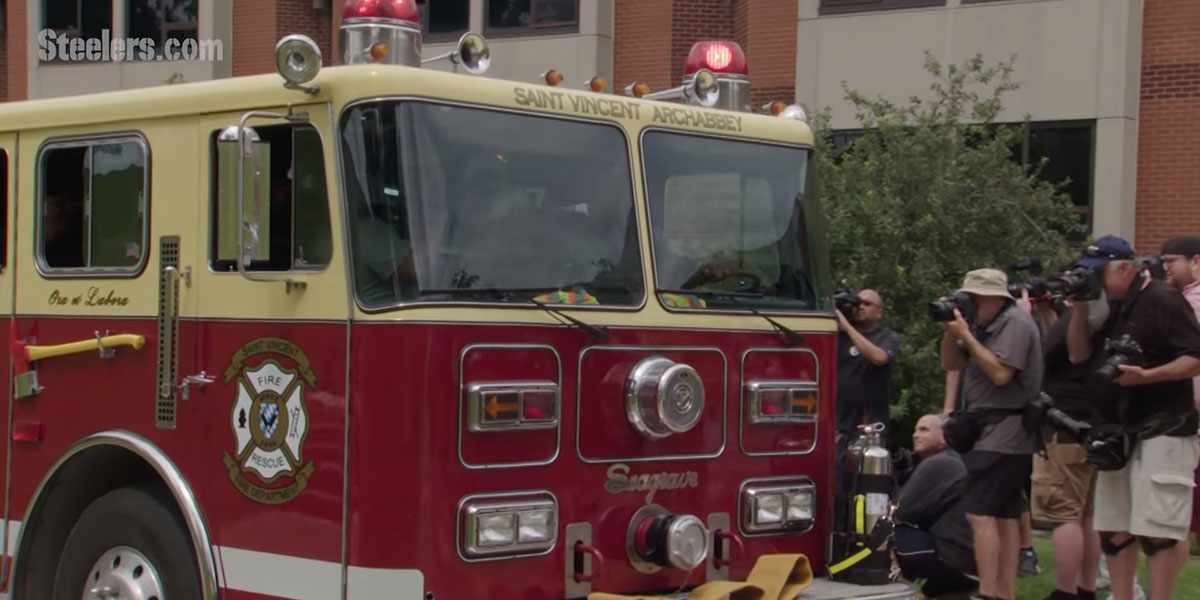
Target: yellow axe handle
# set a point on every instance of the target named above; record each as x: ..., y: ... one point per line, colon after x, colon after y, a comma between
x: 35, y: 353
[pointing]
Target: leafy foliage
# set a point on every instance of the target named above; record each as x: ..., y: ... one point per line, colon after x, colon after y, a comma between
x: 928, y: 191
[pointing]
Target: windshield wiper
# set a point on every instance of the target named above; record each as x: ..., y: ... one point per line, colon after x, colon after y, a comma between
x: 599, y: 332
x: 790, y: 336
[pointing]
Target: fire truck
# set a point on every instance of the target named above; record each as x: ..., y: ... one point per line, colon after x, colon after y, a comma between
x: 379, y: 331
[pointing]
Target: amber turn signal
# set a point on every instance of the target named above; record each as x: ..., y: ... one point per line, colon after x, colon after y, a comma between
x: 597, y: 84
x: 639, y: 89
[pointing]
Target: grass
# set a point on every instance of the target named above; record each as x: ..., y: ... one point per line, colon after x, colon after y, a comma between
x: 1041, y: 586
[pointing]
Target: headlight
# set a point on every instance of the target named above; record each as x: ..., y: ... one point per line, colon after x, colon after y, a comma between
x: 778, y: 506
x: 522, y: 526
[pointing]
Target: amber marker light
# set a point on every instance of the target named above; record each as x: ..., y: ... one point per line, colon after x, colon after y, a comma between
x: 552, y: 77
x: 378, y: 51
x: 597, y: 84
x: 637, y: 90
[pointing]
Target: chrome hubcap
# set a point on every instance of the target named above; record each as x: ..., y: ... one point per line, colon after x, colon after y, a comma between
x: 122, y: 573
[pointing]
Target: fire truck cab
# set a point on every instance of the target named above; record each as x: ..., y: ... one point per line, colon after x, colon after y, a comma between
x: 374, y: 331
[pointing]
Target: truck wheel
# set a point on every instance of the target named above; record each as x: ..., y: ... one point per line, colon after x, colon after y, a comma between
x: 127, y: 544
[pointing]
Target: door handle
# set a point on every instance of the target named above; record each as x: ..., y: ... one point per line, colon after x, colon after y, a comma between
x: 199, y: 379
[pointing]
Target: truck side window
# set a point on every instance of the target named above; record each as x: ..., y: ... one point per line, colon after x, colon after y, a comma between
x: 292, y: 224
x: 92, y: 204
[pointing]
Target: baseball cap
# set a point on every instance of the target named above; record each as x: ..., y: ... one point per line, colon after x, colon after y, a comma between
x: 1104, y: 249
x: 1186, y: 245
x: 986, y: 282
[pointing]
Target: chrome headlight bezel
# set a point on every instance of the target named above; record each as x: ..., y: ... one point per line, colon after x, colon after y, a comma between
x: 532, y: 525
x: 793, y: 500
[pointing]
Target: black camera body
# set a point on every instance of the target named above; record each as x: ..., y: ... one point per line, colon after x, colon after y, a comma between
x: 1121, y: 351
x: 943, y: 310
x: 1080, y: 283
x: 1154, y: 264
x: 847, y: 302
x: 1036, y: 283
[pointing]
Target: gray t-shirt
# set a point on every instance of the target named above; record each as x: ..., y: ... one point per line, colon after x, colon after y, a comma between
x: 1014, y: 338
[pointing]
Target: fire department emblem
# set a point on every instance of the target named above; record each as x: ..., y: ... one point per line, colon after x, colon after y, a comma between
x: 270, y: 420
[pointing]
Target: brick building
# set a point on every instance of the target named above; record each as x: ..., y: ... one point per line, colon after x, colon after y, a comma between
x: 1112, y: 86
x: 1168, y: 187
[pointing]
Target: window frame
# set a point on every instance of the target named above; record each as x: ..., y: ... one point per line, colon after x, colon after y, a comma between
x: 840, y: 7
x: 534, y: 29
x: 77, y: 32
x: 649, y: 232
x: 345, y: 208
x: 164, y: 28
x: 48, y: 272
x: 444, y: 36
x: 211, y: 236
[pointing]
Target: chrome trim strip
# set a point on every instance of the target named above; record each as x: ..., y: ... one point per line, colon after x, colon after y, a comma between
x: 621, y: 398
x: 772, y: 481
x: 742, y: 403
x: 180, y: 491
x: 458, y: 522
x: 337, y: 193
x: 11, y: 236
x: 633, y: 196
x: 461, y: 400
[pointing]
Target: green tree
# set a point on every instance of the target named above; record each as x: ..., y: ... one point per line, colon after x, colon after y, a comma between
x: 927, y: 192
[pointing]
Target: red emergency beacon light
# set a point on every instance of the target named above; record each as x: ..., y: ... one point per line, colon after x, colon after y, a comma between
x: 727, y: 61
x: 389, y: 32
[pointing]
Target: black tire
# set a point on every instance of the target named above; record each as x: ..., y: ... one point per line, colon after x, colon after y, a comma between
x: 135, y: 517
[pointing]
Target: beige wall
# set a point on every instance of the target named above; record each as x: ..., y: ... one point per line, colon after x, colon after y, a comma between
x: 578, y: 56
x: 51, y: 80
x: 1076, y: 59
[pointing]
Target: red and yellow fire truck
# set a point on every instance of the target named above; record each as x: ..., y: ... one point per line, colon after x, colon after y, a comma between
x: 377, y: 331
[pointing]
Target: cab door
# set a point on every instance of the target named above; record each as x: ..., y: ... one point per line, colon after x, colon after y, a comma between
x: 273, y: 336
x: 8, y: 147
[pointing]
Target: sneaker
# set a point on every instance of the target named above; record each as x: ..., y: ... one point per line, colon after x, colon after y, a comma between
x: 1138, y: 593
x: 1027, y: 564
x: 1102, y: 580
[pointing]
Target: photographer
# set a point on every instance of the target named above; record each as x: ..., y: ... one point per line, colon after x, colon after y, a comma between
x: 866, y: 352
x: 1002, y: 359
x: 1148, y: 455
x: 1064, y: 481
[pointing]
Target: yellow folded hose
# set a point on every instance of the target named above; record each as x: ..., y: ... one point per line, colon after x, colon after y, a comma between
x: 774, y: 577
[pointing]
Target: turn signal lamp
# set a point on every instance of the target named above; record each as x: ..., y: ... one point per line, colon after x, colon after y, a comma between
x: 782, y: 401
x: 637, y: 90
x: 552, y: 77
x: 378, y: 51
x: 597, y: 84
x: 404, y: 10
x: 722, y: 57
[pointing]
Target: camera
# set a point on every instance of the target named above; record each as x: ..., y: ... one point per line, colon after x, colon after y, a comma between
x: 846, y: 301
x: 1154, y: 264
x: 1042, y: 410
x: 1121, y: 351
x: 1080, y: 283
x: 1036, y: 284
x: 943, y: 310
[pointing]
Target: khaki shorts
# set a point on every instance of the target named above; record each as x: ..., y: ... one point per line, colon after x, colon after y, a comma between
x: 1064, y: 484
x: 1152, y: 495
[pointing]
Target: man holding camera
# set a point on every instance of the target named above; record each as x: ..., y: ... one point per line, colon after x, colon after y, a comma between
x: 866, y: 352
x: 1146, y: 447
x: 1001, y: 359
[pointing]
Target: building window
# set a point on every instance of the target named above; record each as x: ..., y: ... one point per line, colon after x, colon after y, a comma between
x: 92, y: 206
x: 847, y: 6
x: 86, y: 19
x: 524, y: 17
x: 444, y: 17
x: 162, y: 20
x: 1069, y: 149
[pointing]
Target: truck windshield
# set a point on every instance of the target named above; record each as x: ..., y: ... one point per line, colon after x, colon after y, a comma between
x: 450, y: 203
x: 735, y: 224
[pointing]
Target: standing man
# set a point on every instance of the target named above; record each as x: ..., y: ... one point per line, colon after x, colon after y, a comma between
x: 866, y: 352
x: 1146, y: 497
x: 1002, y: 357
x: 1181, y: 259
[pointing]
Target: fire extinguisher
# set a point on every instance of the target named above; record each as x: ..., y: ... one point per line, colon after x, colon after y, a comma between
x: 859, y: 545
